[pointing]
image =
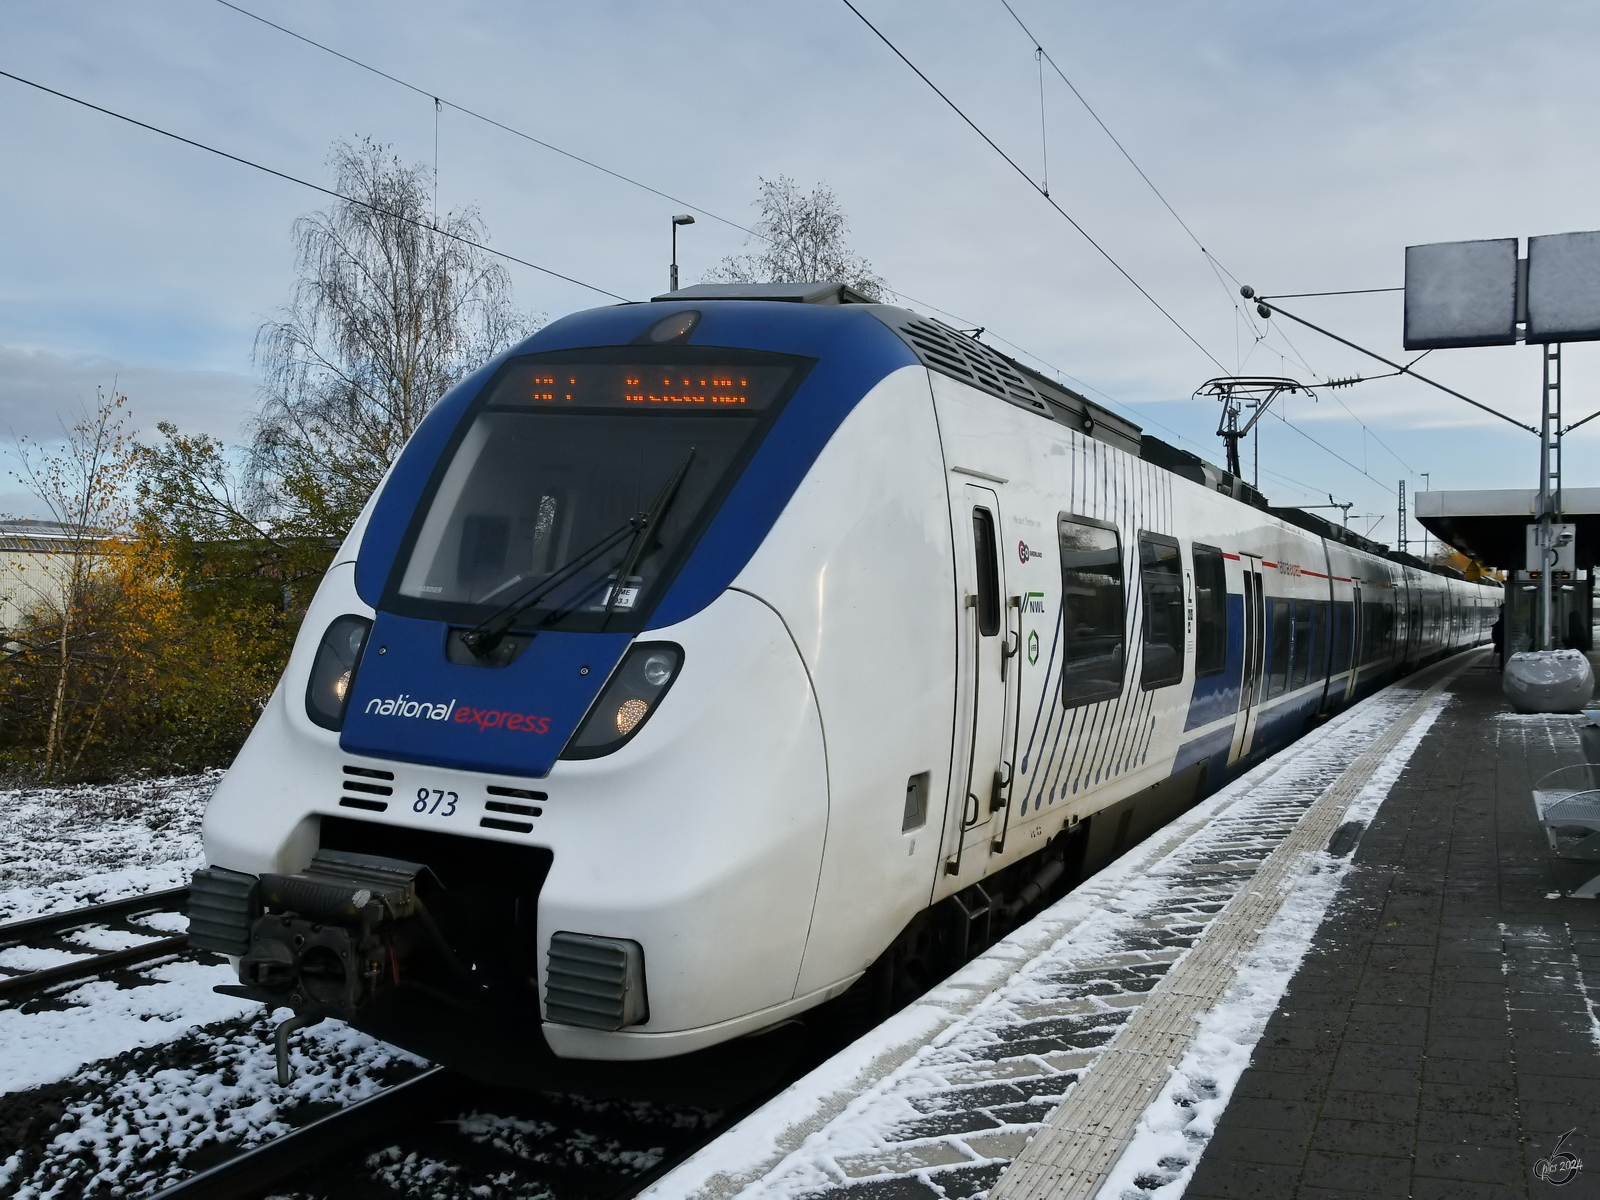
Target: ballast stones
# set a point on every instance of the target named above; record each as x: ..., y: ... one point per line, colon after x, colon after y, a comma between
x: 1548, y: 681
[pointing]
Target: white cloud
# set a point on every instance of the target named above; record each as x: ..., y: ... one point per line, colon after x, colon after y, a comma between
x: 42, y: 391
x: 1306, y: 145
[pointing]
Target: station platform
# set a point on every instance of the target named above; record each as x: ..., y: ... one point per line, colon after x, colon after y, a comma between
x: 1443, y: 1031
x: 1352, y: 972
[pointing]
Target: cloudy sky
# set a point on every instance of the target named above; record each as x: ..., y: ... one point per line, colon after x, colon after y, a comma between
x: 1305, y: 145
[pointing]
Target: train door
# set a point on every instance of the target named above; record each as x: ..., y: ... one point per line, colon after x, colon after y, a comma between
x: 1252, y: 682
x: 985, y: 715
x: 1358, y: 633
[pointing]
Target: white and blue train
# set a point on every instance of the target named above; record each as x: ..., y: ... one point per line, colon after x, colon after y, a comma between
x: 700, y: 659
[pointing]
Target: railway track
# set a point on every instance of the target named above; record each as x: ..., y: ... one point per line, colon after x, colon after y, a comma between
x: 457, y: 1138
x: 436, y: 1130
x: 122, y: 942
x: 256, y: 1170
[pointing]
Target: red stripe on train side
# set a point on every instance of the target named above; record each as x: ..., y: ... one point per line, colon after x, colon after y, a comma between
x: 1235, y: 557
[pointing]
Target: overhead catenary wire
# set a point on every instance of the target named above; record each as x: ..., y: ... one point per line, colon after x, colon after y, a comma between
x: 488, y: 249
x: 317, y: 187
x: 1044, y: 138
x: 1015, y: 166
x: 1212, y: 261
x: 500, y: 125
x: 439, y: 102
x: 1039, y: 49
x: 1335, y: 453
x: 1042, y: 56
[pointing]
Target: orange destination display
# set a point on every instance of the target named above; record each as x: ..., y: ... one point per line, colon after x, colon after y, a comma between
x: 635, y: 385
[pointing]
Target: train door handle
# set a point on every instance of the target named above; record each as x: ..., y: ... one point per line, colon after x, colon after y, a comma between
x: 975, y: 807
x: 1002, y: 781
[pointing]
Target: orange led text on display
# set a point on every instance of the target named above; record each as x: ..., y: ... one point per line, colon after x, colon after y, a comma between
x: 670, y: 394
x: 719, y: 388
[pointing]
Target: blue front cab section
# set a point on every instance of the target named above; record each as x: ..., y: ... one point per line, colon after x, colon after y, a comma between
x: 851, y: 351
x: 411, y: 703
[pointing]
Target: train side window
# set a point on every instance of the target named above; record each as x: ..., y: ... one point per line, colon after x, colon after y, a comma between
x: 1280, y: 628
x: 1210, y: 612
x: 1377, y: 630
x: 1161, y: 585
x: 1343, y: 635
x: 1301, y: 673
x: 1093, y: 617
x: 1320, y: 612
x: 988, y: 575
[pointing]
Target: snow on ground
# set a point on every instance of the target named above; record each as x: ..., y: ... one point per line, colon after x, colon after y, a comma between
x: 111, y: 1085
x: 64, y: 847
x: 1179, y: 1122
x: 132, y: 1123
x: 103, y: 1018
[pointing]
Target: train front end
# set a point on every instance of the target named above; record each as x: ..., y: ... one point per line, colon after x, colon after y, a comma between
x: 539, y: 787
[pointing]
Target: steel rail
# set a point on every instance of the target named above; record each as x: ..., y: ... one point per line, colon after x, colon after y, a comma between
x: 262, y: 1168
x: 94, y: 962
x: 171, y: 900
x: 98, y: 963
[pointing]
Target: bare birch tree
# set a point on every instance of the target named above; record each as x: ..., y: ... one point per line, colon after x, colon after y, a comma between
x: 391, y: 308
x: 804, y: 240
x: 82, y: 484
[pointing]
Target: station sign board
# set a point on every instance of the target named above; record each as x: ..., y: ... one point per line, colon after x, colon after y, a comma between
x: 1461, y: 294
x: 1564, y: 288
x: 1478, y: 293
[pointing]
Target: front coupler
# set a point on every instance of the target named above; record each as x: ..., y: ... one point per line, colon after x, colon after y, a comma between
x: 325, y: 942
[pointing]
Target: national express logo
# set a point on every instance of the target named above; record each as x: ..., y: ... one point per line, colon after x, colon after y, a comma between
x: 1024, y: 553
x: 484, y: 718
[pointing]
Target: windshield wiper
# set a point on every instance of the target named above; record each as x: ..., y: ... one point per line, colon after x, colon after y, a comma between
x: 644, y: 525
x: 483, y: 638
x: 641, y: 535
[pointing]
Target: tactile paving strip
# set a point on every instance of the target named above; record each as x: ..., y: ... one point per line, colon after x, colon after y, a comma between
x: 1084, y: 1137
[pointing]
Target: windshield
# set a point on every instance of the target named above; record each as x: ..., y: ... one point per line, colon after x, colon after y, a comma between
x: 562, y: 452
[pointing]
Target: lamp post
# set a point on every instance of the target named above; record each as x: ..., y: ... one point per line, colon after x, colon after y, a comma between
x: 680, y: 219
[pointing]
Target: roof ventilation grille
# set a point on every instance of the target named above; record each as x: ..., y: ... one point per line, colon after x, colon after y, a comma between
x: 969, y: 360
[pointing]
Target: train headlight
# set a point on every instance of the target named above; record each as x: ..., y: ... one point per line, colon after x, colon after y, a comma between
x: 659, y: 667
x: 333, y: 670
x: 631, y: 694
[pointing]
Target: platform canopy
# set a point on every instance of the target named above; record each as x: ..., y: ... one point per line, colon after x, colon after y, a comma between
x: 1491, y: 526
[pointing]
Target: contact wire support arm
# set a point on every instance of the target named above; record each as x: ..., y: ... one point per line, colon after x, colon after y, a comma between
x: 1249, y: 293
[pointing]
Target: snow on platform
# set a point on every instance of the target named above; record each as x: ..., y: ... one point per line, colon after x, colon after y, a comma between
x: 938, y: 1101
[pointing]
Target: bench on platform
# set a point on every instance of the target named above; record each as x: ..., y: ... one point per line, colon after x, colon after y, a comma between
x: 1568, y: 804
